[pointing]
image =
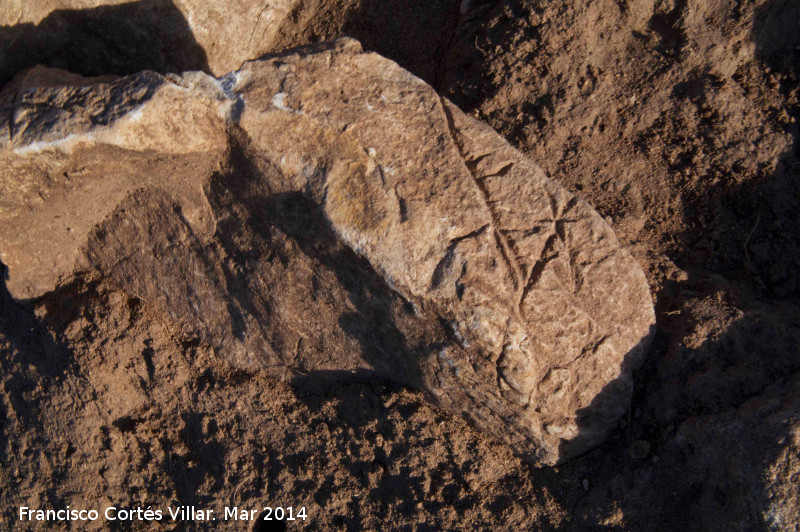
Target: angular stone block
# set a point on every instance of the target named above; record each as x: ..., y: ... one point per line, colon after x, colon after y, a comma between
x: 324, y: 215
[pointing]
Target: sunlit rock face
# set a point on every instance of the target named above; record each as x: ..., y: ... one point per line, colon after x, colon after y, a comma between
x: 324, y: 215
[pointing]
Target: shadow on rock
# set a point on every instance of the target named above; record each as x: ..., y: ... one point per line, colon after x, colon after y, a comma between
x: 592, y: 419
x: 415, y: 33
x: 120, y: 39
x: 325, y: 303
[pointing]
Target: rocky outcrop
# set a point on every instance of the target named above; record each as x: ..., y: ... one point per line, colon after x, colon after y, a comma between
x: 325, y: 215
x: 105, y: 36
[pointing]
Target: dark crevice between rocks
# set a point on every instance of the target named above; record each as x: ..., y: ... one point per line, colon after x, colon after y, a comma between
x: 119, y: 40
x: 481, y: 34
x: 417, y: 34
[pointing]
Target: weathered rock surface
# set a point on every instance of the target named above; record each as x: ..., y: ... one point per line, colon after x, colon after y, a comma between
x: 117, y: 35
x: 326, y: 215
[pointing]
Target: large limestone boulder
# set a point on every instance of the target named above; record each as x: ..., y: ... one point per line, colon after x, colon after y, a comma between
x: 324, y: 215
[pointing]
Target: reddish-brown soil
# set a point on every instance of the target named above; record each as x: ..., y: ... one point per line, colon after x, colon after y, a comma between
x: 677, y: 120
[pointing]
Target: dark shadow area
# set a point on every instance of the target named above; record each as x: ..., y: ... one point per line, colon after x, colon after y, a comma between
x: 326, y: 382
x: 32, y: 363
x: 674, y: 463
x: 381, y: 320
x: 275, y: 288
x: 267, y: 521
x: 121, y: 39
x: 254, y: 223
x: 750, y: 232
x: 417, y: 34
x: 746, y: 231
x: 776, y: 34
x: 667, y: 25
x: 28, y: 338
x: 486, y: 28
x: 203, y: 464
x: 591, y: 428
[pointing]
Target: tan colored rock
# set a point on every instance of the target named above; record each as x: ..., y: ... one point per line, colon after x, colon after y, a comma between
x: 326, y: 215
x: 113, y: 35
x: 68, y: 195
